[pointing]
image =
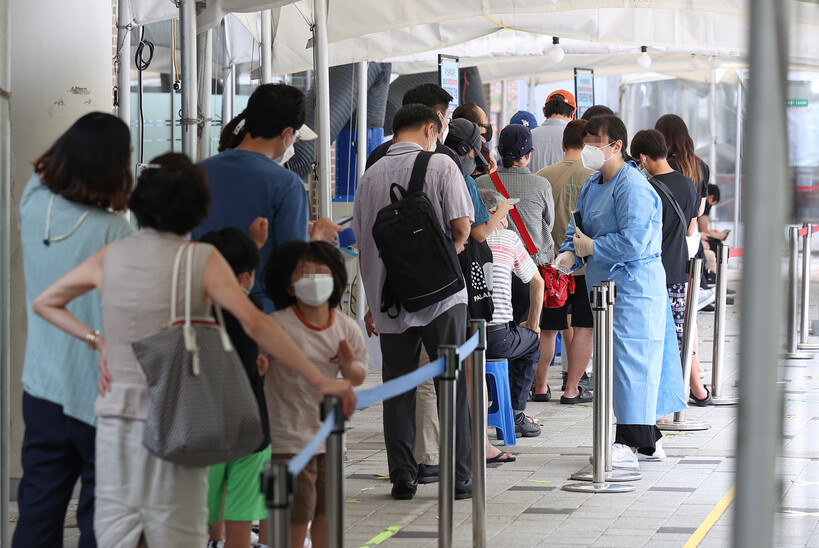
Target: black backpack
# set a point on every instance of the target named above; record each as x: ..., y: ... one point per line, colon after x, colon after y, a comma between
x: 420, y: 260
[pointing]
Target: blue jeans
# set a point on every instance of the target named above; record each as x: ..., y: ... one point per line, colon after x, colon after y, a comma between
x: 57, y: 449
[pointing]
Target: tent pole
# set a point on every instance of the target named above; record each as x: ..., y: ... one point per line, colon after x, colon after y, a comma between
x: 532, y: 94
x: 503, y: 113
x: 738, y: 163
x: 204, y: 47
x: 123, y: 63
x: 228, y: 84
x: 361, y: 120
x: 322, y: 82
x: 712, y: 125
x: 5, y: 266
x: 760, y: 413
x: 187, y: 32
x: 267, y: 47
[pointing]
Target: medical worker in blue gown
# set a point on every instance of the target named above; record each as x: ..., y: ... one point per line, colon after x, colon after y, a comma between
x: 620, y: 238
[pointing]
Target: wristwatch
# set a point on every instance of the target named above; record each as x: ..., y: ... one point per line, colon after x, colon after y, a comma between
x: 91, y: 339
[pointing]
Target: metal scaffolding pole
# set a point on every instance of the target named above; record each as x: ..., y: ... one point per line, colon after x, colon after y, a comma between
x: 189, y: 120
x: 321, y: 65
x: 738, y: 165
x: 712, y: 125
x: 204, y: 47
x: 123, y: 63
x: 5, y: 266
x: 759, y: 429
x: 267, y: 47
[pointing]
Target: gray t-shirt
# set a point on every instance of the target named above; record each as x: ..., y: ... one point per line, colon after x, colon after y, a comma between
x: 447, y: 191
x: 547, y: 140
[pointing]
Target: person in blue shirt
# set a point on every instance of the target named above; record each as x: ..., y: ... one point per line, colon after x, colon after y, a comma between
x: 620, y: 239
x: 248, y: 181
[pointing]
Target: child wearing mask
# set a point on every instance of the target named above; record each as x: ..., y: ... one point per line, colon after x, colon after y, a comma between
x: 305, y: 281
x: 238, y: 480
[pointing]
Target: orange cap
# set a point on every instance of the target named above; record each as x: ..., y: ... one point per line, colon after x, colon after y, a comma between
x: 562, y: 95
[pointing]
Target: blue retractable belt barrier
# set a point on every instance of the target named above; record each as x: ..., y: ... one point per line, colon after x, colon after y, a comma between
x: 468, y: 347
x: 399, y: 385
x: 298, y: 462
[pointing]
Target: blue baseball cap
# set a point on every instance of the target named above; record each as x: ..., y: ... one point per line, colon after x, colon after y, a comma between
x: 517, y: 137
x: 524, y: 118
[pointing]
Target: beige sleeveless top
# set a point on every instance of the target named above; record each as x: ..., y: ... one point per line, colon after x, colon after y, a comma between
x: 136, y: 284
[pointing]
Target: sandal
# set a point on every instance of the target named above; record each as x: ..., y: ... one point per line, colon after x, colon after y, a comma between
x: 705, y: 402
x: 542, y: 397
x: 499, y: 458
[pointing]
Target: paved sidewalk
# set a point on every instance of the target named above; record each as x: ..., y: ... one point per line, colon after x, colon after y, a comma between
x: 526, y: 507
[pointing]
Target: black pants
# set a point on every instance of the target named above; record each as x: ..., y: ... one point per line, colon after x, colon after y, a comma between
x: 400, y: 354
x: 57, y: 449
x: 521, y: 348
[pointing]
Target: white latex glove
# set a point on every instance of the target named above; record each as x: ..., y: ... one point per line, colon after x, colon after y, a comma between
x: 583, y: 245
x: 565, y: 260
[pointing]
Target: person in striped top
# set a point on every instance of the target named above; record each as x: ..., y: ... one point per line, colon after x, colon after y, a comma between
x: 519, y: 344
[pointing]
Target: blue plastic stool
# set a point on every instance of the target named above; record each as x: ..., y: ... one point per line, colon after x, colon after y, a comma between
x: 500, y: 414
x: 558, y: 347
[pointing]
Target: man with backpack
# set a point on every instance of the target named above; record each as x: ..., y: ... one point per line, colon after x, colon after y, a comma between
x: 414, y: 295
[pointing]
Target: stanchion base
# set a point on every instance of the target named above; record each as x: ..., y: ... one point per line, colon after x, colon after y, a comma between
x: 683, y: 426
x: 598, y: 488
x: 613, y: 476
x: 724, y: 401
x: 797, y: 356
x: 808, y: 346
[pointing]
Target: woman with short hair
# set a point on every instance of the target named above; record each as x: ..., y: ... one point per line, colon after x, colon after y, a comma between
x: 69, y: 210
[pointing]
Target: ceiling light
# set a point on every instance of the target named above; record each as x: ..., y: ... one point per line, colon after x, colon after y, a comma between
x: 643, y: 60
x: 556, y: 54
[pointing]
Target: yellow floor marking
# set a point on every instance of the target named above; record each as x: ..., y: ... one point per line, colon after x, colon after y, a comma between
x: 712, y: 518
x: 381, y: 537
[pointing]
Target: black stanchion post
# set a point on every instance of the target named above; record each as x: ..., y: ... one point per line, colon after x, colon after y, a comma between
x: 805, y: 309
x: 599, y: 478
x: 334, y: 464
x: 478, y: 389
x: 687, y: 353
x: 277, y: 485
x: 723, y: 252
x: 792, y: 351
x: 446, y: 487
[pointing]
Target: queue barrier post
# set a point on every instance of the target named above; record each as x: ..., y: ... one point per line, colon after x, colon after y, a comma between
x: 334, y: 482
x: 609, y: 433
x: 277, y: 485
x: 446, y: 487
x: 804, y: 321
x: 478, y: 388
x: 717, y: 356
x: 601, y: 481
x: 680, y: 423
x: 792, y: 350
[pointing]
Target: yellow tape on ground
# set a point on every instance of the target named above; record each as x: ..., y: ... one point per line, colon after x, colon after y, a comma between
x: 712, y: 518
x: 381, y: 537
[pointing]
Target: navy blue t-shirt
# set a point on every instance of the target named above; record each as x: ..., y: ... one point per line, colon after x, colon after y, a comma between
x: 245, y: 185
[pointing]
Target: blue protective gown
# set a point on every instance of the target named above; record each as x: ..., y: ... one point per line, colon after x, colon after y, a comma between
x: 624, y: 218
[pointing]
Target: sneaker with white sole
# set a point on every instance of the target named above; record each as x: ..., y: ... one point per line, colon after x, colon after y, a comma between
x: 621, y: 457
x: 707, y: 296
x: 659, y: 453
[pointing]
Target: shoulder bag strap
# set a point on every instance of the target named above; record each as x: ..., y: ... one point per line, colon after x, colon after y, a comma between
x: 175, y: 280
x: 419, y: 172
x: 524, y: 234
x: 661, y: 187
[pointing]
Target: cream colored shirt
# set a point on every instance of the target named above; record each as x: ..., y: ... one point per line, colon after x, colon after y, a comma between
x: 292, y: 402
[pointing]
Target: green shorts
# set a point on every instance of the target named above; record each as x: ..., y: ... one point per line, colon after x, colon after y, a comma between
x: 239, y: 481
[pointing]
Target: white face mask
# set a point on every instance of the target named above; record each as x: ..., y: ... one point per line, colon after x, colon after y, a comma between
x: 445, y: 131
x: 314, y: 289
x: 286, y: 155
x: 593, y: 157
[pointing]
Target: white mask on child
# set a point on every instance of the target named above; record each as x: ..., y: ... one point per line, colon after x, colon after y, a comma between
x: 314, y: 289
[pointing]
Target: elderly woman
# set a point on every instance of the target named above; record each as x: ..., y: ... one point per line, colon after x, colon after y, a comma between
x: 140, y: 497
x: 621, y: 239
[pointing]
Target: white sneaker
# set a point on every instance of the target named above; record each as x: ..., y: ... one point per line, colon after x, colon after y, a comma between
x: 659, y: 453
x: 707, y: 296
x: 623, y: 457
x: 216, y: 544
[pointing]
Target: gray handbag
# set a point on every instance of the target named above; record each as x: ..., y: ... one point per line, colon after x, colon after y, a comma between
x: 202, y: 409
